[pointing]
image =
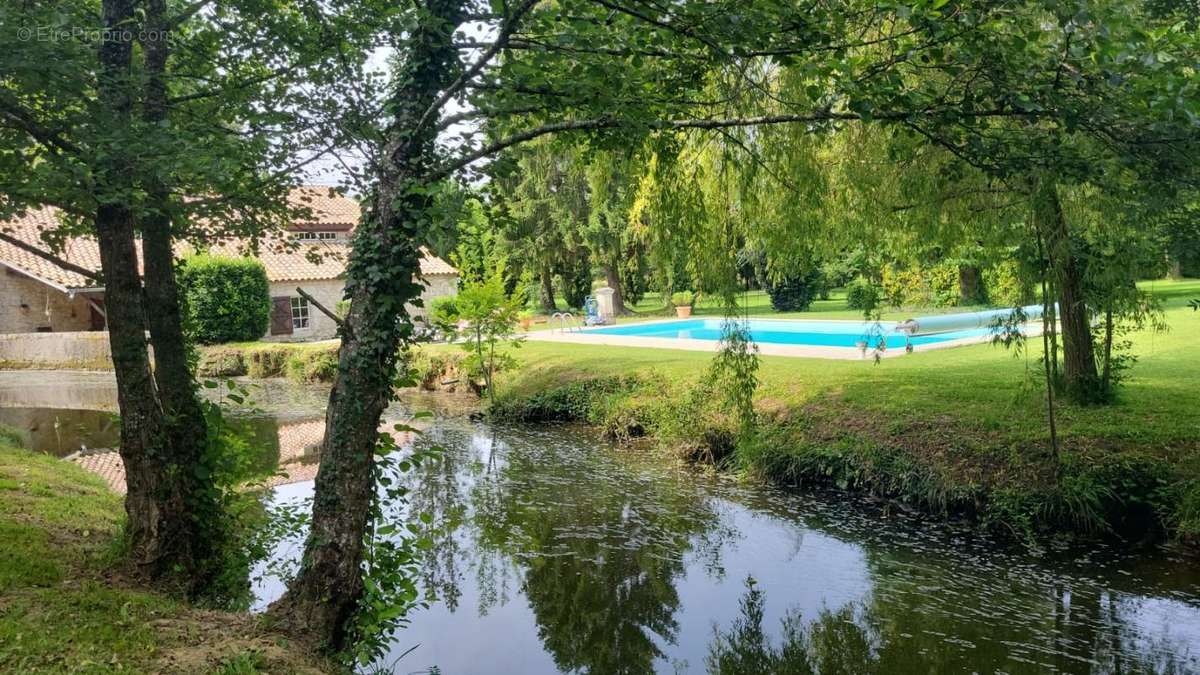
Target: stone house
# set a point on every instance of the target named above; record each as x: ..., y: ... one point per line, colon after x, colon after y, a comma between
x: 37, y: 295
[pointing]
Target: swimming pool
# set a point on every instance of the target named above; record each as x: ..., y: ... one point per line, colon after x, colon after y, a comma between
x: 773, y: 331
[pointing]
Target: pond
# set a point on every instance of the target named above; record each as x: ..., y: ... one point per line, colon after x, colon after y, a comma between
x: 567, y: 554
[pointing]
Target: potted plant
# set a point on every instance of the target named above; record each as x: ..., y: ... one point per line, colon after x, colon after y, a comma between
x: 683, y: 303
x: 525, y: 318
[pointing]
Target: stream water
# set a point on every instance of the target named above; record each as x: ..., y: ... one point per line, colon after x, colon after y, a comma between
x: 566, y: 554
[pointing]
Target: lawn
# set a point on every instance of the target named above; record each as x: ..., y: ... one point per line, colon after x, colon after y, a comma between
x: 983, y: 385
x: 970, y: 413
x: 65, y: 609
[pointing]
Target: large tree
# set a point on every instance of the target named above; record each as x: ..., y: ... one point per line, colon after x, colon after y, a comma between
x: 613, y: 72
x: 156, y: 132
x: 541, y: 203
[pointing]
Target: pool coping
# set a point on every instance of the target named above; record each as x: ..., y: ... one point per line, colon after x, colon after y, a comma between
x: 589, y: 336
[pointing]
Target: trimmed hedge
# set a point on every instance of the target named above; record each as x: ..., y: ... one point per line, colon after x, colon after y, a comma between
x: 225, y: 299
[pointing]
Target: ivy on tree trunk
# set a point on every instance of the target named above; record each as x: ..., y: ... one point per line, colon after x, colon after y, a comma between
x: 381, y: 278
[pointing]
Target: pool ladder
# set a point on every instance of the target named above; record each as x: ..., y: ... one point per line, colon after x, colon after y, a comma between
x: 566, y: 321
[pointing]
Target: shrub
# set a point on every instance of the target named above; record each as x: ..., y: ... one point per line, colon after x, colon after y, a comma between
x: 486, y: 318
x: 794, y: 292
x: 11, y: 437
x: 427, y: 369
x: 225, y: 299
x: 1004, y: 285
x: 943, y: 284
x: 862, y: 294
x: 682, y: 299
x: 312, y: 365
x: 443, y: 313
x: 904, y: 286
x: 577, y: 401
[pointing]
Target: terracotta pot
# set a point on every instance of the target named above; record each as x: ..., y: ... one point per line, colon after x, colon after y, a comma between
x: 526, y: 323
x: 683, y: 312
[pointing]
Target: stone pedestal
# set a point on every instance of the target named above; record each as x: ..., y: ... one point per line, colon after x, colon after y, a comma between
x: 604, y: 302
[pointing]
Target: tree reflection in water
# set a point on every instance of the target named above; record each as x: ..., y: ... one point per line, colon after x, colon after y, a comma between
x: 833, y: 643
x: 598, y: 567
x: 593, y: 547
x: 859, y: 639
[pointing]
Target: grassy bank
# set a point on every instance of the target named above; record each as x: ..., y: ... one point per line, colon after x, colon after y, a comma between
x: 303, y: 362
x: 951, y: 431
x: 312, y: 362
x: 64, y: 610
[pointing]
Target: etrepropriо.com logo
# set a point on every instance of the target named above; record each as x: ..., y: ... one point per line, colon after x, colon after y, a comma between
x: 84, y: 34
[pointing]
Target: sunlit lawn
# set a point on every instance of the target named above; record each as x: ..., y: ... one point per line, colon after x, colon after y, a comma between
x: 982, y: 386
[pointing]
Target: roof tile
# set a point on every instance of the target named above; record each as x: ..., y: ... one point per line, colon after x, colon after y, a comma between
x: 283, y: 259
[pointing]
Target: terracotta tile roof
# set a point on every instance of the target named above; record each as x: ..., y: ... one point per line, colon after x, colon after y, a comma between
x: 78, y: 250
x: 106, y: 464
x: 327, y: 205
x: 304, y: 262
x: 431, y: 265
x: 286, y: 261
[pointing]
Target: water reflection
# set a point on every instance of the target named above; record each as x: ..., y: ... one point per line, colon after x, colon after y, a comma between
x: 575, y: 557
x: 862, y: 639
x: 60, y: 432
x: 557, y: 553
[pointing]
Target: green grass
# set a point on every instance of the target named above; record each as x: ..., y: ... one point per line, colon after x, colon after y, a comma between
x: 982, y: 384
x: 65, y: 609
x: 303, y: 362
x: 974, y: 416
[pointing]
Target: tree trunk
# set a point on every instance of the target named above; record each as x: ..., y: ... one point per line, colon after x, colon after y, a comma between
x: 1049, y: 356
x: 548, y: 304
x: 970, y: 285
x: 1080, y: 379
x: 613, y: 278
x: 185, y: 426
x: 1175, y: 269
x: 322, y: 600
x: 157, y: 513
x: 320, y: 603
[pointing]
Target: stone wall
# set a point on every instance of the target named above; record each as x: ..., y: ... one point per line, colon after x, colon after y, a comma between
x: 29, y: 306
x: 320, y: 327
x: 436, y: 287
x: 329, y: 293
x: 52, y: 351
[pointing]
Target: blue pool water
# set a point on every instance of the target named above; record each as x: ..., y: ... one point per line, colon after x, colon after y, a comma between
x: 768, y: 331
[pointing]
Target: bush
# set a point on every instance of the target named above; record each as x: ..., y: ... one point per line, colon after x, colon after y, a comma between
x: 225, y: 299
x: 904, y: 287
x: 1004, y: 285
x: 267, y: 361
x: 443, y: 312
x: 943, y: 284
x: 795, y: 292
x: 682, y: 299
x: 11, y: 437
x: 862, y: 294
x: 312, y: 365
x: 300, y: 363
